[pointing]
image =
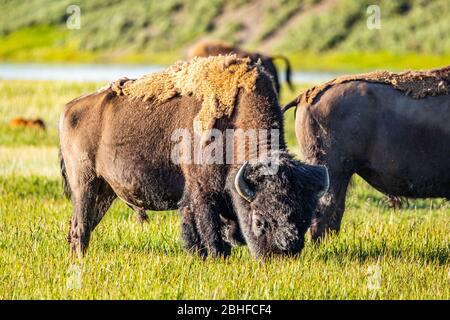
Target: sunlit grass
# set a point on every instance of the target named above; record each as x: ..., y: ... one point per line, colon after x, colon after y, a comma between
x: 29, y: 160
x: 129, y: 260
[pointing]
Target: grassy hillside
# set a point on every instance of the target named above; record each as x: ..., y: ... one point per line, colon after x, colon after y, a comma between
x: 414, y: 33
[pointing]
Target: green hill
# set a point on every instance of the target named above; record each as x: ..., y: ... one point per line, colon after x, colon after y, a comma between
x: 414, y: 33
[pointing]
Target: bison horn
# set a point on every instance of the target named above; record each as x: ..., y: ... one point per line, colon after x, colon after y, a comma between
x: 326, y: 186
x: 241, y: 186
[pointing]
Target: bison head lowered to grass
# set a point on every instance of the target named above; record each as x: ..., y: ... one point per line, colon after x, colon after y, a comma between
x: 171, y: 140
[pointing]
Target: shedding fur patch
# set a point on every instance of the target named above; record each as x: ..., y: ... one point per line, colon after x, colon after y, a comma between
x: 215, y: 81
x: 417, y: 84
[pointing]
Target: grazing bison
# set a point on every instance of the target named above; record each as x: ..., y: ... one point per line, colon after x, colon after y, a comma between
x: 390, y: 129
x: 214, y: 48
x: 120, y: 142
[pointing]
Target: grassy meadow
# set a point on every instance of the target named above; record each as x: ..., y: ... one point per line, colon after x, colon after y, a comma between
x: 379, y: 254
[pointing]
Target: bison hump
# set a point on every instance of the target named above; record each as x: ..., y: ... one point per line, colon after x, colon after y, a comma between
x: 215, y: 81
x: 417, y: 84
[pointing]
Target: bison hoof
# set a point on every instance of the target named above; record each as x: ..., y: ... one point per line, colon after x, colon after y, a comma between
x: 318, y: 234
x: 142, y: 217
x: 222, y: 251
x: 203, y: 252
x: 77, y: 248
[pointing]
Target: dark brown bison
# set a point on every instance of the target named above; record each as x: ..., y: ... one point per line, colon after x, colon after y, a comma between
x: 208, y: 48
x: 119, y: 142
x: 390, y: 129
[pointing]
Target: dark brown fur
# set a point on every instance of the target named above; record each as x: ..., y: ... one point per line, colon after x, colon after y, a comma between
x: 120, y: 147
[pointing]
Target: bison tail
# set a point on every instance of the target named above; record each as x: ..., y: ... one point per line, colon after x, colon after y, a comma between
x: 288, y: 70
x: 65, y: 181
x: 293, y: 103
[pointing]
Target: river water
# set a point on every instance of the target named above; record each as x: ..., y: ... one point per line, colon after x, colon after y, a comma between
x: 111, y: 72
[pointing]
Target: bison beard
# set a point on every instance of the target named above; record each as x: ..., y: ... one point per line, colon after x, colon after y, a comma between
x: 116, y: 146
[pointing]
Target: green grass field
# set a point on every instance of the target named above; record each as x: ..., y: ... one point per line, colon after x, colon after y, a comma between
x: 379, y: 254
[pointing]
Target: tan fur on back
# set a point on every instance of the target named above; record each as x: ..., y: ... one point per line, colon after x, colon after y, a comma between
x: 417, y: 84
x: 215, y: 81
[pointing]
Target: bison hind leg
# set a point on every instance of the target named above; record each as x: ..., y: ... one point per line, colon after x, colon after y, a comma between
x: 396, y: 203
x: 92, y: 200
x: 84, y: 199
x: 142, y: 216
x: 105, y: 198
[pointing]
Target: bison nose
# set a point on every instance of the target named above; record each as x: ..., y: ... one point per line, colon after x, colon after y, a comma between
x: 259, y: 226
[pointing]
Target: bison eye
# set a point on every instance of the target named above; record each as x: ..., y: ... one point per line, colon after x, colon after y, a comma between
x: 259, y: 225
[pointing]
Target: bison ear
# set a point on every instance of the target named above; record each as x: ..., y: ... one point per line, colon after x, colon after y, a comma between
x: 314, y: 178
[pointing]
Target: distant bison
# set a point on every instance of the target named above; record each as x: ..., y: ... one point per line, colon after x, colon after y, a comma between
x: 29, y: 123
x: 390, y: 129
x: 208, y: 48
x: 119, y: 142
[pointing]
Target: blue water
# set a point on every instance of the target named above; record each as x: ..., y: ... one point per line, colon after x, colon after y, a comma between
x: 110, y: 72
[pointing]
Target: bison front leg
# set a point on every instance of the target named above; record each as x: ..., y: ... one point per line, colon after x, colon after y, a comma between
x: 328, y: 216
x: 201, y: 228
x: 209, y: 227
x: 189, y: 233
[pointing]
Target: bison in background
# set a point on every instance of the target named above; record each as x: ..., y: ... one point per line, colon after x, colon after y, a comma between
x: 208, y: 48
x: 390, y: 129
x: 119, y: 143
x: 28, y: 123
